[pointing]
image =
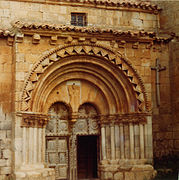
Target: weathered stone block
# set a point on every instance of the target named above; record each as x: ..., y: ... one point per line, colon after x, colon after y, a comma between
x: 108, y: 175
x: 3, y: 162
x: 118, y: 176
x: 129, y: 176
x: 6, y: 153
x: 5, y: 125
x: 6, y: 170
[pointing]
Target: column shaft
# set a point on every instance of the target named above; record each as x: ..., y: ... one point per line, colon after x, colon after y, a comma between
x: 103, y: 142
x: 24, y: 150
x: 131, y: 136
x: 141, y: 141
x: 40, y: 145
x: 117, y: 140
x: 122, y: 140
x: 43, y: 145
x: 31, y: 145
x: 112, y: 142
x: 35, y: 146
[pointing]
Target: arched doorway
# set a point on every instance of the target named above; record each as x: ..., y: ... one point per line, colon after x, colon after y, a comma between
x: 57, y: 140
x: 87, y: 130
x: 67, y: 142
x: 81, y: 74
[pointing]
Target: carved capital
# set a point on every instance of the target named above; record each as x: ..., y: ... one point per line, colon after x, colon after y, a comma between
x: 123, y: 118
x: 33, y: 119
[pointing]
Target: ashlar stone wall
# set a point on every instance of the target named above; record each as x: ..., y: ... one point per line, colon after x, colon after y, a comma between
x: 60, y: 13
x: 166, y: 121
x: 5, y: 108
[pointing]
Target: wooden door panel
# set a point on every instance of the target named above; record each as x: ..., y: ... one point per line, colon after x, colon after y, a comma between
x: 57, y: 155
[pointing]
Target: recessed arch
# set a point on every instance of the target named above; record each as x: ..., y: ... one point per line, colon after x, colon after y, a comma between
x: 90, y: 104
x: 125, y: 78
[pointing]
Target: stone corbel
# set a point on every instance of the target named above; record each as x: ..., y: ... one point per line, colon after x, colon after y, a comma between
x: 121, y: 44
x: 135, y: 45
x: 149, y: 45
x: 10, y: 40
x: 81, y: 39
x: 36, y: 39
x: 69, y: 39
x: 19, y: 37
x: 33, y: 119
x: 53, y: 40
x: 93, y: 40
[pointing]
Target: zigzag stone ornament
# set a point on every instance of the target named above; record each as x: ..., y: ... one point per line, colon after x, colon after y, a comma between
x: 86, y: 49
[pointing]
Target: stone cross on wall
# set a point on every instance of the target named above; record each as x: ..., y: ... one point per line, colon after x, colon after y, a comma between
x: 158, y: 68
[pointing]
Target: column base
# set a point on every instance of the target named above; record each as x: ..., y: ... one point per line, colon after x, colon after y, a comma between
x: 126, y: 171
x: 34, y: 173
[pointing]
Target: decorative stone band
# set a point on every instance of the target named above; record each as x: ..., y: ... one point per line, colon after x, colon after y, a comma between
x: 33, y: 119
x: 134, y: 118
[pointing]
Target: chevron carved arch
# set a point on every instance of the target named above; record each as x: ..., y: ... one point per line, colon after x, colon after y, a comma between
x: 98, y: 51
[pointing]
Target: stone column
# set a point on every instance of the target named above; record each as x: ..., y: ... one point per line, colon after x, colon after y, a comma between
x: 73, y: 155
x: 108, y: 141
x: 31, y: 145
x: 148, y: 134
x: 35, y: 146
x: 122, y: 140
x: 141, y: 128
x: 117, y: 140
x: 103, y: 142
x: 112, y: 141
x: 136, y: 140
x: 33, y: 138
x: 40, y: 145
x: 25, y: 145
x: 126, y: 141
x: 131, y: 137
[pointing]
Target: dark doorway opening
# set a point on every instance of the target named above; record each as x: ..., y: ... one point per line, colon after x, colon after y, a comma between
x: 87, y: 157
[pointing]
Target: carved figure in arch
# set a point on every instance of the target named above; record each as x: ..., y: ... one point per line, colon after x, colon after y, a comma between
x: 74, y: 94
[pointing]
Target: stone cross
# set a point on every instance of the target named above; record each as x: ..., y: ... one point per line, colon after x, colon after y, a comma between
x: 158, y: 68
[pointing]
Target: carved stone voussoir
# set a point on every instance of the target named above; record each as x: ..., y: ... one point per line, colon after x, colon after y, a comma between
x: 33, y: 119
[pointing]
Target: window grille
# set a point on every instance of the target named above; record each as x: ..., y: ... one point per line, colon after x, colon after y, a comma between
x: 78, y: 19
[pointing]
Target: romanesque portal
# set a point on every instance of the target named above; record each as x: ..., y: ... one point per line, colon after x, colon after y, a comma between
x: 72, y: 146
x: 88, y: 109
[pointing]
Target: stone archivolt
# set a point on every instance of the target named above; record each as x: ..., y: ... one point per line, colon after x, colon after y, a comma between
x: 63, y: 52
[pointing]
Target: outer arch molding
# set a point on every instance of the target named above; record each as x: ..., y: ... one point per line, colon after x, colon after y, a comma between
x: 94, y: 50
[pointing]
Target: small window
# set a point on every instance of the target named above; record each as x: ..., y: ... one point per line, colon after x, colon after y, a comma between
x: 78, y: 19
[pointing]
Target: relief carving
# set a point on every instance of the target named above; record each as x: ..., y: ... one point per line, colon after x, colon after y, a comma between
x: 33, y: 119
x: 97, y: 50
x: 74, y: 94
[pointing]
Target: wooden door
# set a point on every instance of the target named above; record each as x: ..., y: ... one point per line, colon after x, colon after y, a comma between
x: 57, y: 155
x: 57, y: 141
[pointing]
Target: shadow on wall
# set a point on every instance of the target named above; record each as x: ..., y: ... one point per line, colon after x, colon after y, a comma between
x: 167, y: 167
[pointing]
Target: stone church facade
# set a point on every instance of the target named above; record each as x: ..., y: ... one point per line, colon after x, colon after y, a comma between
x: 88, y: 89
